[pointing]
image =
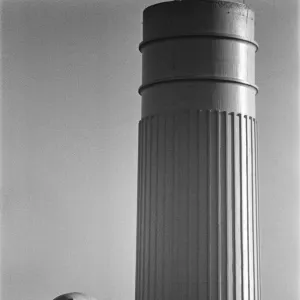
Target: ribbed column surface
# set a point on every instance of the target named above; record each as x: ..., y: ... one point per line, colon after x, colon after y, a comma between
x: 197, y: 234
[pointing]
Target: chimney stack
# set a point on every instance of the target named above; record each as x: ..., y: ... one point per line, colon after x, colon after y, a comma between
x: 197, y: 219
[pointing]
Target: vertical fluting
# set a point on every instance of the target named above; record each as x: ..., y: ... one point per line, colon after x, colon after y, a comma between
x: 168, y: 209
x: 257, y: 213
x: 197, y: 207
x: 237, y: 206
x: 250, y: 207
x: 138, y: 230
x: 253, y: 184
x: 223, y: 204
x: 230, y: 257
x: 213, y: 206
x: 203, y: 205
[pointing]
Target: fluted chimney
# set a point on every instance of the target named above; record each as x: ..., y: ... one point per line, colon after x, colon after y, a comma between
x: 197, y: 219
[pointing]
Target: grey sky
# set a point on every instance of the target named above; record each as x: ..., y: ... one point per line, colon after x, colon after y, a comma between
x: 70, y: 74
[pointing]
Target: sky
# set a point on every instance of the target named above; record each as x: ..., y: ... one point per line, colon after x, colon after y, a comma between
x: 70, y: 109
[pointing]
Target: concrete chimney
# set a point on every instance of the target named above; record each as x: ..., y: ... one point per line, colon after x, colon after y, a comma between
x: 197, y: 219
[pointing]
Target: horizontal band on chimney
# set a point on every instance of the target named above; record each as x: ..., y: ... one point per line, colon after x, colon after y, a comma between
x: 197, y: 78
x: 199, y: 35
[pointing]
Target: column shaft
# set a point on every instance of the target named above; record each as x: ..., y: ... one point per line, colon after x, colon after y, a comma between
x: 197, y: 207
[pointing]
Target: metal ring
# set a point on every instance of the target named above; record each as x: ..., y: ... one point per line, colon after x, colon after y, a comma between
x: 199, y: 35
x: 195, y: 78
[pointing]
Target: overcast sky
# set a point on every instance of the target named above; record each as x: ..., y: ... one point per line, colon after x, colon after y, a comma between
x: 70, y: 108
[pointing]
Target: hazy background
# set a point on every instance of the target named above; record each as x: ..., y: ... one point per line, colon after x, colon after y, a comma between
x: 70, y: 108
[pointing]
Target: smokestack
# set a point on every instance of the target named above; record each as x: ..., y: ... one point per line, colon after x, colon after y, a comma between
x: 197, y: 220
